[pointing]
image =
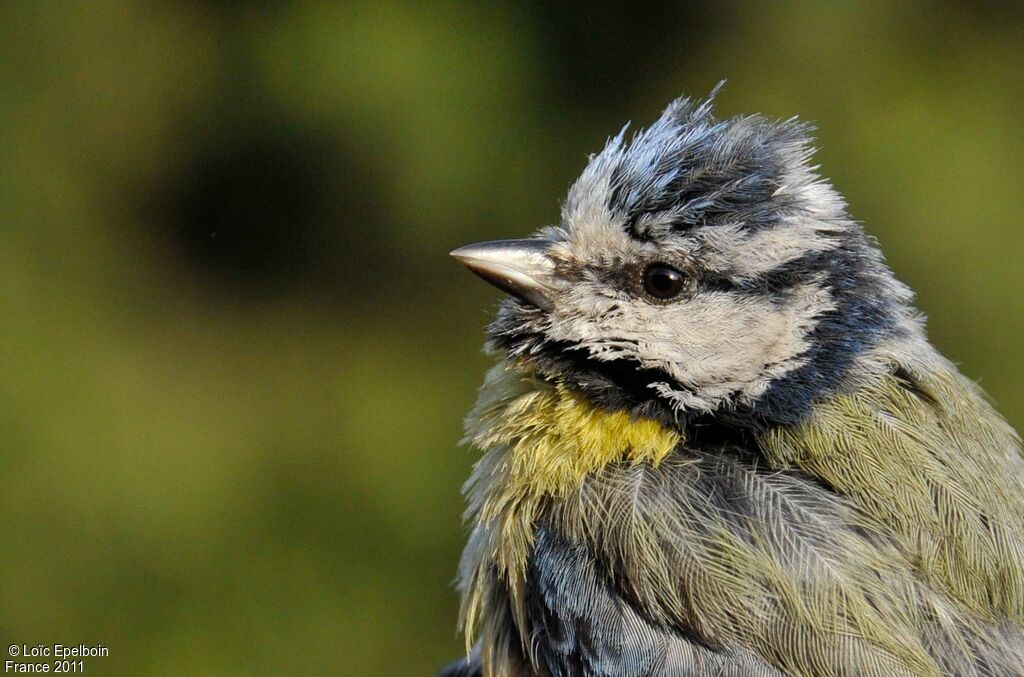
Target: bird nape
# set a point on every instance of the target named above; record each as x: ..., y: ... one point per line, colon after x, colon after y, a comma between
x: 718, y: 442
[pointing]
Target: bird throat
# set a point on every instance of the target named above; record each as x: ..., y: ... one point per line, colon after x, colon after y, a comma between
x: 553, y: 437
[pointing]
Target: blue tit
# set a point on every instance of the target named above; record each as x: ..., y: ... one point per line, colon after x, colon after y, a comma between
x: 718, y: 442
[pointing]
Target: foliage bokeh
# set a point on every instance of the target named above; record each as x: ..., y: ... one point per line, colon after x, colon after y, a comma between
x: 235, y: 353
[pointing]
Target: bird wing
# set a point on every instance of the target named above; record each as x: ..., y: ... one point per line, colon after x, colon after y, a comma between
x: 713, y: 563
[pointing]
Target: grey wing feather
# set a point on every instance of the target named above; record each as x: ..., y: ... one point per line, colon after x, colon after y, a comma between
x: 582, y: 627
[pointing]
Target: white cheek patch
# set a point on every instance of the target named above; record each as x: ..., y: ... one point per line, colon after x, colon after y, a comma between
x: 746, y: 254
x: 716, y: 346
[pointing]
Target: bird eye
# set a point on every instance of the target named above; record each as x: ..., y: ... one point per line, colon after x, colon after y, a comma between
x: 663, y: 282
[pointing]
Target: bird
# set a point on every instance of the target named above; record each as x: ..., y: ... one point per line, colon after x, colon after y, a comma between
x: 716, y: 439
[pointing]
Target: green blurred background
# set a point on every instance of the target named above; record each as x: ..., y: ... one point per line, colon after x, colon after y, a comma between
x: 234, y: 354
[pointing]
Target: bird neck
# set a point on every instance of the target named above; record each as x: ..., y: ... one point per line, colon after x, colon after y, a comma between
x: 552, y: 437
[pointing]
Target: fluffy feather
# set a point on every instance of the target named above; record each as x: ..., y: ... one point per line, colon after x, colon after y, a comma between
x: 773, y: 473
x: 906, y: 561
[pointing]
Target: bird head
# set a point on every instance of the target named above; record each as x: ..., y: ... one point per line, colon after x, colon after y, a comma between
x: 701, y: 268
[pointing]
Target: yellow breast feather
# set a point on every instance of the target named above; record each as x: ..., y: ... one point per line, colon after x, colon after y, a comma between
x: 540, y: 440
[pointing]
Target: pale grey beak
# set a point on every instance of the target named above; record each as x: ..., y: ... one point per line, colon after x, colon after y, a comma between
x: 519, y: 267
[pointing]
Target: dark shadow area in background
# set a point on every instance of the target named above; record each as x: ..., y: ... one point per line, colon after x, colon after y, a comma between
x: 275, y: 209
x: 265, y: 207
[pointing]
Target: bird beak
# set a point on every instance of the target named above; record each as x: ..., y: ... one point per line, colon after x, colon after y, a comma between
x: 519, y: 267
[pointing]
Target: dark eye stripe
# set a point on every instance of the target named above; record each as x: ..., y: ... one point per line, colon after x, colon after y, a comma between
x: 712, y: 281
x: 837, y: 264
